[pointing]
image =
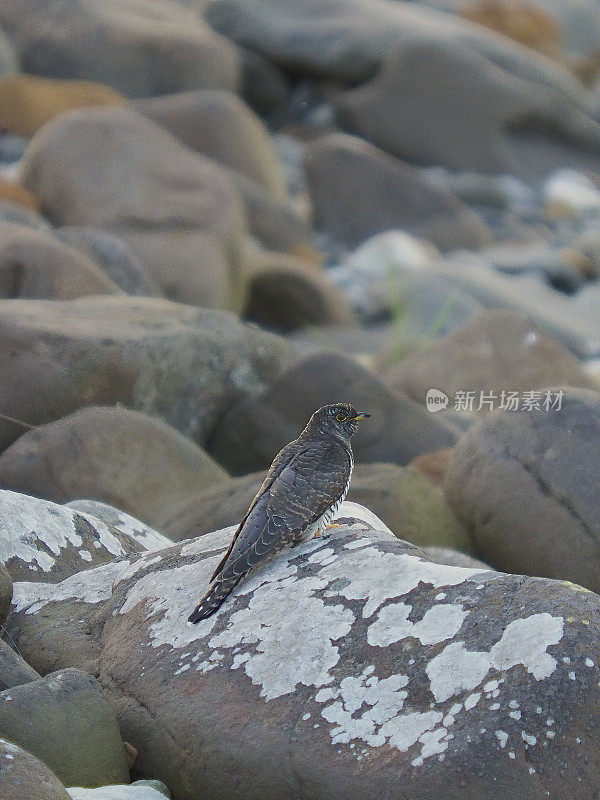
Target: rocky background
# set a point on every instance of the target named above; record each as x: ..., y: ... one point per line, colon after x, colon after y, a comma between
x: 216, y: 216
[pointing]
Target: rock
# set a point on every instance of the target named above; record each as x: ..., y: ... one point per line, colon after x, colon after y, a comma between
x: 140, y: 790
x: 219, y: 125
x: 525, y: 22
x: 24, y: 777
x: 13, y: 670
x: 264, y: 87
x: 252, y: 432
x: 34, y: 265
x: 124, y: 523
x: 178, y: 212
x: 41, y: 540
x: 453, y: 558
x: 498, y: 351
x: 569, y: 194
x: 8, y: 57
x: 28, y: 102
x: 355, y: 640
x: 525, y: 484
x: 112, y: 454
x: 113, y: 256
x: 182, y: 364
x: 433, y: 465
x: 12, y: 211
x: 392, y: 194
x: 139, y: 47
x: 400, y: 497
x: 66, y: 722
x: 286, y: 293
x: 6, y: 589
x: 13, y: 193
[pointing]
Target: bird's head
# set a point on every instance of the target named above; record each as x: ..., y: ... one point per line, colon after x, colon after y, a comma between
x: 338, y: 419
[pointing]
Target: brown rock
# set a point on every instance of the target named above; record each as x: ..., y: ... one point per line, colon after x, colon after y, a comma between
x: 124, y: 458
x: 27, y: 102
x: 33, y: 264
x: 179, y: 363
x: 17, y: 194
x: 179, y: 212
x: 433, y: 465
x: 358, y: 191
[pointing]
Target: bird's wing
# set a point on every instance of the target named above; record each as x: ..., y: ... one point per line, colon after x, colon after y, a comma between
x: 283, y: 458
x: 298, y: 496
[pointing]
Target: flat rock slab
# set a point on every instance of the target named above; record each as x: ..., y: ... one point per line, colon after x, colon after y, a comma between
x: 40, y: 540
x: 349, y: 667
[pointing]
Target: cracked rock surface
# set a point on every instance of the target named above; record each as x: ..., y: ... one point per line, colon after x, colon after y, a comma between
x: 350, y: 666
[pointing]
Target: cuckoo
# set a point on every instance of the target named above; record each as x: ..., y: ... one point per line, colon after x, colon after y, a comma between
x: 304, y: 488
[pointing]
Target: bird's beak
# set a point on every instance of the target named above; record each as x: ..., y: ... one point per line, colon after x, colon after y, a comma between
x: 361, y: 415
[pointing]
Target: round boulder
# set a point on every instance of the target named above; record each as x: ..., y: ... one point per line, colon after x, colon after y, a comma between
x: 24, y: 777
x: 525, y: 483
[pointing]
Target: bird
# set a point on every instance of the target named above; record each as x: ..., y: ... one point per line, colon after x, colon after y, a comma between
x: 304, y: 487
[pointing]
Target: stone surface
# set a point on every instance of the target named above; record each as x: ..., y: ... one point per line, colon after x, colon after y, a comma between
x: 8, y: 57
x: 14, y: 671
x: 453, y: 558
x: 6, y: 589
x: 250, y: 435
x: 27, y: 102
x: 359, y: 664
x: 219, y: 125
x: 120, y: 520
x: 182, y: 364
x: 14, y: 212
x: 33, y: 264
x: 139, y: 47
x: 66, y: 722
x: 526, y: 485
x: 286, y: 293
x: 113, y: 256
x: 404, y: 500
x: 495, y: 352
x: 13, y: 193
x: 24, y: 777
x: 358, y: 191
x: 139, y: 790
x: 40, y: 540
x: 179, y: 212
x: 122, y: 457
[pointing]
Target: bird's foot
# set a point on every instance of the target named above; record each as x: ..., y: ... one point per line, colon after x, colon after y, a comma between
x: 333, y: 525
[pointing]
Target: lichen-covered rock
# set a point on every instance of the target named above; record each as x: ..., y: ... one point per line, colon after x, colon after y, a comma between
x: 352, y: 665
x: 125, y: 458
x: 183, y: 364
x: 525, y: 483
x: 40, y: 540
x: 140, y: 790
x: 24, y: 777
x: 123, y: 522
x: 65, y: 720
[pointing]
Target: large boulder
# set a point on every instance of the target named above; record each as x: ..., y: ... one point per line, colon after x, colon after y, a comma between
x: 220, y: 125
x: 358, y: 191
x: 178, y: 211
x: 498, y: 351
x: 65, y: 721
x: 525, y: 483
x: 33, y: 264
x: 366, y: 671
x: 183, y: 364
x: 250, y: 435
x: 122, y: 457
x: 27, y: 102
x: 402, y: 498
x: 139, y: 47
x: 44, y: 541
x: 24, y: 777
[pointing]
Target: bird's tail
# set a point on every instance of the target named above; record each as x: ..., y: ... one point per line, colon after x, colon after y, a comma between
x: 214, y: 598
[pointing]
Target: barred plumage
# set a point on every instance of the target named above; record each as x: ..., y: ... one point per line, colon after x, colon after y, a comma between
x: 304, y: 487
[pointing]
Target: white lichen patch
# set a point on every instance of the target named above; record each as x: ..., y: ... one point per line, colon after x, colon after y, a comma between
x: 440, y: 622
x: 355, y: 511
x: 141, y: 533
x: 92, y: 586
x: 36, y: 531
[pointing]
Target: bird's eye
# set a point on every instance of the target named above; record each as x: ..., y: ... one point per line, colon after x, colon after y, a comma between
x: 342, y: 417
